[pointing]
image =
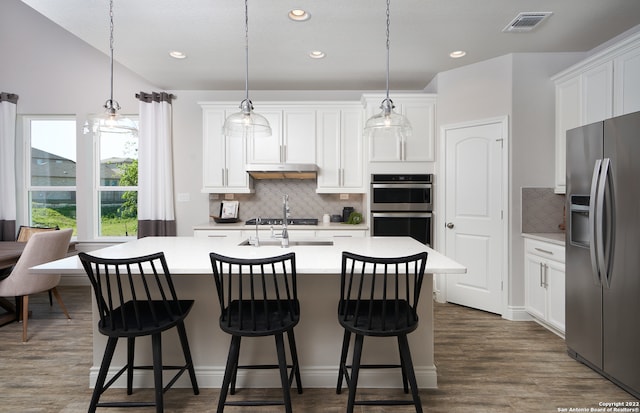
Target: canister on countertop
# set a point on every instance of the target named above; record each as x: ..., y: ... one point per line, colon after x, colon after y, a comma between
x: 346, y: 211
x: 326, y: 219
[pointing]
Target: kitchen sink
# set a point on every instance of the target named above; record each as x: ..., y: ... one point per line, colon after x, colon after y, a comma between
x: 292, y: 243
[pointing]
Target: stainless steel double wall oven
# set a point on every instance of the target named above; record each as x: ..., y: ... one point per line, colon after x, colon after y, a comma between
x: 402, y: 205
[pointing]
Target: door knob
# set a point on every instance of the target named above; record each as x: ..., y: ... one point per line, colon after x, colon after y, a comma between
x: 450, y: 225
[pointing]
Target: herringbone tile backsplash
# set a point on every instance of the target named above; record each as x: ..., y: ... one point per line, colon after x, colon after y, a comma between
x: 542, y: 210
x: 304, y: 202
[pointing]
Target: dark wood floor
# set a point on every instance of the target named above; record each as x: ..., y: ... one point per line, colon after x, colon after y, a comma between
x: 485, y: 364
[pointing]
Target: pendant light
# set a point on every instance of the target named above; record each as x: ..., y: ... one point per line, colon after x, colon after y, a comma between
x: 246, y: 123
x: 110, y: 121
x: 388, y: 122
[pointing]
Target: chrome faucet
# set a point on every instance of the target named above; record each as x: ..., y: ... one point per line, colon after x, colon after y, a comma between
x: 256, y: 241
x: 285, y: 218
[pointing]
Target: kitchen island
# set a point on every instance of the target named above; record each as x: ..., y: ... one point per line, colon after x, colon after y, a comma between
x: 318, y: 335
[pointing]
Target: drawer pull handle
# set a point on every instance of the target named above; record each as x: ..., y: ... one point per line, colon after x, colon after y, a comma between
x: 544, y: 251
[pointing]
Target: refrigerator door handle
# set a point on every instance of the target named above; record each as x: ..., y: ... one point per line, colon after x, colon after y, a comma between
x: 593, y: 241
x: 608, y: 241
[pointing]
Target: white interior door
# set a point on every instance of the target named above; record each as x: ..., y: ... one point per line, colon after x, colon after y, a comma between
x: 474, y: 216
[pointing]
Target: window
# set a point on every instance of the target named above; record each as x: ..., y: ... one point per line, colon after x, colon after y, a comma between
x: 51, y: 171
x: 117, y: 188
x: 71, y: 181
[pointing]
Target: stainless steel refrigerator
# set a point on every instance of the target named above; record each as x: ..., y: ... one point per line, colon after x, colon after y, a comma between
x: 603, y: 248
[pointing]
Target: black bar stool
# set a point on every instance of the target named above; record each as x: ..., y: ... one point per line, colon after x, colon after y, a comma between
x: 135, y: 298
x: 378, y: 297
x: 258, y: 297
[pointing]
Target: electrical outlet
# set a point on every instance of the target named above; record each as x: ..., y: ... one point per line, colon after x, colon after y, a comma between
x: 228, y: 196
x: 344, y: 196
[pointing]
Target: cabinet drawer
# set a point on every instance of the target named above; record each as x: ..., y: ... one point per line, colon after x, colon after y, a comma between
x: 544, y: 249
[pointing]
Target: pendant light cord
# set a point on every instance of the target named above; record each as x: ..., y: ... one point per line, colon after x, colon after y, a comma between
x: 388, y: 24
x: 111, y: 105
x: 246, y: 49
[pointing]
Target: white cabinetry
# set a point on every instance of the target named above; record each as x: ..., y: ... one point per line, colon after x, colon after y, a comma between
x: 223, y: 157
x: 293, y: 137
x: 545, y: 283
x: 604, y: 85
x: 626, y: 82
x: 219, y: 234
x: 420, y: 111
x: 340, y: 150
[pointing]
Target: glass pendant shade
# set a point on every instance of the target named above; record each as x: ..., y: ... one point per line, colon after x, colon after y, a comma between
x: 388, y: 122
x: 246, y: 123
x: 112, y: 122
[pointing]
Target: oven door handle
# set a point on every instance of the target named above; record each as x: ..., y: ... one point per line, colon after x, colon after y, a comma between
x: 401, y: 214
x: 414, y: 185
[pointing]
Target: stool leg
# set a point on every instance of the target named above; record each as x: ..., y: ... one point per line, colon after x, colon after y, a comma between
x: 235, y: 370
x: 102, y: 374
x: 282, y: 363
x: 131, y: 349
x: 232, y: 361
x: 343, y: 359
x: 355, y: 371
x: 182, y: 333
x: 405, y: 383
x: 156, y: 344
x: 294, y: 357
x: 403, y: 344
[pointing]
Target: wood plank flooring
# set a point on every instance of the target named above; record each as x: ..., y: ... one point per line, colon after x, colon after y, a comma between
x: 485, y: 364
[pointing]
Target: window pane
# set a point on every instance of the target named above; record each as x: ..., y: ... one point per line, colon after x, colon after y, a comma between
x: 117, y: 153
x: 118, y: 213
x: 53, y: 208
x: 53, y: 152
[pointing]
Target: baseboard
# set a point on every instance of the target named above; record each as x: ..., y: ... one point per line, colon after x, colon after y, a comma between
x: 312, y: 377
x: 518, y: 313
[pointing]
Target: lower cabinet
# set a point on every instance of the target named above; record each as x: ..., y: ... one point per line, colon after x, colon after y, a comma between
x: 545, y: 283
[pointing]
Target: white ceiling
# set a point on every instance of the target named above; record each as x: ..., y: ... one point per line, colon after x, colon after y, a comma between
x: 350, y: 32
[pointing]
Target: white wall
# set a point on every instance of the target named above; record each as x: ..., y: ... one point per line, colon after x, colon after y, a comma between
x: 516, y: 86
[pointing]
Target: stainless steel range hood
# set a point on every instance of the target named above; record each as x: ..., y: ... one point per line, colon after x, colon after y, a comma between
x: 282, y: 171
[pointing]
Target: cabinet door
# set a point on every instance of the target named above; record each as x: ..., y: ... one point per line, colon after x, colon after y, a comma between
x: 568, y: 116
x: 213, y: 151
x: 419, y: 147
x: 555, y: 278
x: 267, y: 149
x: 328, y: 148
x: 299, y: 136
x: 235, y: 173
x: 535, y: 292
x: 352, y: 154
x: 627, y: 82
x: 597, y: 93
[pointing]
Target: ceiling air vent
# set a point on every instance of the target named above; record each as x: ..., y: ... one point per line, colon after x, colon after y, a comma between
x: 525, y: 22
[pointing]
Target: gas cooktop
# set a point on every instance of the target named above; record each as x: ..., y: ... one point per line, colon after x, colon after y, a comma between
x: 278, y: 221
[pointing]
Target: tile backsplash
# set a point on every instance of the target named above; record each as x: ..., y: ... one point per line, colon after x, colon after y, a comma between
x: 304, y: 202
x: 542, y: 210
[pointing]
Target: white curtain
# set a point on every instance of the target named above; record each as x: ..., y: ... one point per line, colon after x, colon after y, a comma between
x: 156, y: 215
x: 8, y: 103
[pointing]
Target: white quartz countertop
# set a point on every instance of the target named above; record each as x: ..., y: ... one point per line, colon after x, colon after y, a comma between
x: 190, y: 255
x: 557, y: 238
x: 243, y: 226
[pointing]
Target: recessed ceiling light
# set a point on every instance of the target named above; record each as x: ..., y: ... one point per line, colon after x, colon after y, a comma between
x: 299, y: 15
x: 177, y: 55
x: 316, y: 54
x: 457, y: 54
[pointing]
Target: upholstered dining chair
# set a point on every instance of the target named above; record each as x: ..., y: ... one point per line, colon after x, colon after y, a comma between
x: 41, y: 248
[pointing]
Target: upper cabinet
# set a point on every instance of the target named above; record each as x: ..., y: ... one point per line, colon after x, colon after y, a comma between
x: 339, y: 149
x: 292, y: 140
x: 420, y: 111
x: 604, y: 85
x: 223, y: 157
